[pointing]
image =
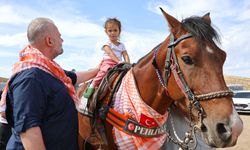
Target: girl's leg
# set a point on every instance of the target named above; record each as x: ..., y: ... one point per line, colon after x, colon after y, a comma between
x: 105, y: 65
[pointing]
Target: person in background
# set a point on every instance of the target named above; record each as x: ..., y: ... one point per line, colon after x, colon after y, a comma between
x: 114, y: 51
x: 5, y: 131
x: 40, y: 97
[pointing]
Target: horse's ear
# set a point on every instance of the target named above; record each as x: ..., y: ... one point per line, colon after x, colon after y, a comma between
x: 173, y: 23
x: 206, y: 17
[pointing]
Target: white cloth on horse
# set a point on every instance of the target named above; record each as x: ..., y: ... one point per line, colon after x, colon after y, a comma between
x: 129, y: 103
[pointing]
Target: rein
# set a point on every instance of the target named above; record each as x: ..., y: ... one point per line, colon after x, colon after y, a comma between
x: 171, y: 65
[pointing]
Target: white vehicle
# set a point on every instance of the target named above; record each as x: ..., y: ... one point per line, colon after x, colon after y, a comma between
x: 242, y: 101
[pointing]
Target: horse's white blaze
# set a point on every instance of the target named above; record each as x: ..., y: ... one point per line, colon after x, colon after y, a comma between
x: 209, y: 49
x: 237, y: 124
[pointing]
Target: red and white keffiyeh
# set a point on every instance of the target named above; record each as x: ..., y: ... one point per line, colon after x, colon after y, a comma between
x: 31, y: 57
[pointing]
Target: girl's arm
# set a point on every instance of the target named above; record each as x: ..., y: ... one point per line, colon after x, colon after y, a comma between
x: 125, y: 56
x: 111, y: 54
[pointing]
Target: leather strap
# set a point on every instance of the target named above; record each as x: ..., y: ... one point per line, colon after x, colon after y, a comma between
x: 132, y: 127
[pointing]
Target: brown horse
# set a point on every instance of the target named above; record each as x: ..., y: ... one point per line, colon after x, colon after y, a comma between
x: 184, y: 72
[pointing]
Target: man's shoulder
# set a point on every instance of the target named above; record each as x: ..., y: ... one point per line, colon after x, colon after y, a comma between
x: 33, y: 73
x: 30, y: 74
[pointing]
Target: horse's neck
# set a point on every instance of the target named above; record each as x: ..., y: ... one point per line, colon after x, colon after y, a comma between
x: 148, y: 84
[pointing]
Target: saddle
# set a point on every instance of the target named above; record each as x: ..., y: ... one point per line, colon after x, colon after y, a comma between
x: 98, y: 102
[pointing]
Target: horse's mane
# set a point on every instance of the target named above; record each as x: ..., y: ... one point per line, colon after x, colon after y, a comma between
x: 148, y: 53
x: 200, y: 29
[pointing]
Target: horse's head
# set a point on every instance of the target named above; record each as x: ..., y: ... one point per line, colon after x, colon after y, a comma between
x: 195, y: 63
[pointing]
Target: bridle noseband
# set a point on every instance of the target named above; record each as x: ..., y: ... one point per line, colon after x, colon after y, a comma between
x: 171, y: 65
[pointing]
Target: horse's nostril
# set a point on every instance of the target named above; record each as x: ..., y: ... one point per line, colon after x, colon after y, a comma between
x: 203, y: 128
x: 220, y: 128
x: 224, y: 131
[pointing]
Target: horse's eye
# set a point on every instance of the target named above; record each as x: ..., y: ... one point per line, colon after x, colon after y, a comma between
x: 187, y: 60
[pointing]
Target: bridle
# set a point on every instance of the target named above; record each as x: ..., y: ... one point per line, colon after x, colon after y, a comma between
x: 171, y: 65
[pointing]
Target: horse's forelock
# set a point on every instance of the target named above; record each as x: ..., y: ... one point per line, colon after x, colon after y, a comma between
x: 200, y: 29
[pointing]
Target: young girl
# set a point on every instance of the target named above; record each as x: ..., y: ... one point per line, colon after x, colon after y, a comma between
x: 114, y: 50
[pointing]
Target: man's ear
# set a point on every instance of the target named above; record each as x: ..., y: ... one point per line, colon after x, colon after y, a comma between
x: 48, y: 41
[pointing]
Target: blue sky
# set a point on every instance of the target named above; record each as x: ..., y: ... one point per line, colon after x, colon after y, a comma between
x: 143, y: 27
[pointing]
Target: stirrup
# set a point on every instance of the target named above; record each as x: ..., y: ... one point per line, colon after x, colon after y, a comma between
x: 89, y: 92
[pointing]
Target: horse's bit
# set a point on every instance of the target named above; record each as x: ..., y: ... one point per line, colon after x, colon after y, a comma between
x: 171, y: 65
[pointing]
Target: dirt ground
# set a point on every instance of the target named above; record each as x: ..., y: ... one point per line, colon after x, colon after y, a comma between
x: 244, y: 139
